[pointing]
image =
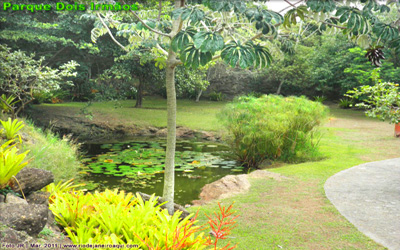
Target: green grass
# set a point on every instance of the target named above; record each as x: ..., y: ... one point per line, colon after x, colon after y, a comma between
x: 295, y: 214
x: 51, y: 153
x: 201, y: 115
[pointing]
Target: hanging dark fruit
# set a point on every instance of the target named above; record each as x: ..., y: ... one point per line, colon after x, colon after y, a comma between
x: 375, y: 55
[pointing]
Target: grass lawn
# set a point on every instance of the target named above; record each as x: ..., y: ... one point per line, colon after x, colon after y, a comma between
x: 287, y: 214
x: 295, y: 213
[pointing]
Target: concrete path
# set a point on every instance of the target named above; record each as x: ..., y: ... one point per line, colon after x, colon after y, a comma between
x: 368, y: 195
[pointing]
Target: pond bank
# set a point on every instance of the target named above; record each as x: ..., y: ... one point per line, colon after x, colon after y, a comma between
x: 69, y: 120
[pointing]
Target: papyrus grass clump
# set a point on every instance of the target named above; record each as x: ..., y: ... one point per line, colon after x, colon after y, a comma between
x: 273, y: 127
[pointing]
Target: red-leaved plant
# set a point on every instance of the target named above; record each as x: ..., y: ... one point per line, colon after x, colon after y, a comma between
x: 221, y: 226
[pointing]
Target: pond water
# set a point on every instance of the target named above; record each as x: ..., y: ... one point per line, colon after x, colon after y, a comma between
x: 137, y: 165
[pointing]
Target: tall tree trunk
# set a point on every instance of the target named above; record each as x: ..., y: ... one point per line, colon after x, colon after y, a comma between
x: 169, y: 175
x: 172, y: 62
x: 139, y: 94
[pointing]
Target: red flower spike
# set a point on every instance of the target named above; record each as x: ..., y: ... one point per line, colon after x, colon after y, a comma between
x: 222, y: 225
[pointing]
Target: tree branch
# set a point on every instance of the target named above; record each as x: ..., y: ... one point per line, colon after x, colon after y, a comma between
x: 162, y: 50
x: 147, y: 26
x: 111, y: 35
x: 334, y: 25
x: 54, y: 56
x: 159, y: 10
x: 292, y: 5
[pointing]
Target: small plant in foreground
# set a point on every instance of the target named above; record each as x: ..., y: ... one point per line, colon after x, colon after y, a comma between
x: 11, y: 128
x: 222, y: 225
x: 7, y: 190
x: 61, y: 187
x: 7, y: 104
x: 46, y: 232
x: 10, y: 162
x: 113, y: 217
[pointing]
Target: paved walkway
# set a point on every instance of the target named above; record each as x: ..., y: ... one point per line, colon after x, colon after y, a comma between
x: 368, y: 195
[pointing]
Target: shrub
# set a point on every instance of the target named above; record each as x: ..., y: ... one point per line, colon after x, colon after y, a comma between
x: 345, y: 103
x: 113, y: 217
x: 10, y: 162
x: 320, y: 99
x: 216, y: 96
x: 381, y: 101
x: 272, y: 127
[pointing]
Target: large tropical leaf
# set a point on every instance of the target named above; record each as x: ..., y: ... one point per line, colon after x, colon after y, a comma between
x: 193, y: 14
x: 321, y: 5
x: 226, y: 5
x: 262, y: 56
x: 375, y: 6
x: 356, y: 22
x: 183, y: 38
x: 265, y: 19
x: 385, y: 31
x: 208, y: 41
x: 259, y: 14
x: 291, y: 15
x: 236, y: 53
x: 287, y: 46
x: 151, y: 23
x: 193, y: 57
x: 96, y: 33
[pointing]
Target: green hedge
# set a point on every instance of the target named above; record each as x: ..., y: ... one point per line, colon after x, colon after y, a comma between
x: 273, y: 127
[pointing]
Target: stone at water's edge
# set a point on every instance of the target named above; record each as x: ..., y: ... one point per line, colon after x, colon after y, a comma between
x: 223, y: 188
x: 32, y: 179
x: 233, y: 184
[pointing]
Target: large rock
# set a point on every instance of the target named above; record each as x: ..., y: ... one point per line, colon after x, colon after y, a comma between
x: 233, y: 184
x: 38, y: 198
x: 30, y: 218
x: 11, y: 238
x: 12, y: 199
x: 32, y: 179
x: 223, y: 188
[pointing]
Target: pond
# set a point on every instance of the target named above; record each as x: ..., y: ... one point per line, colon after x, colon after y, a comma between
x: 137, y: 165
